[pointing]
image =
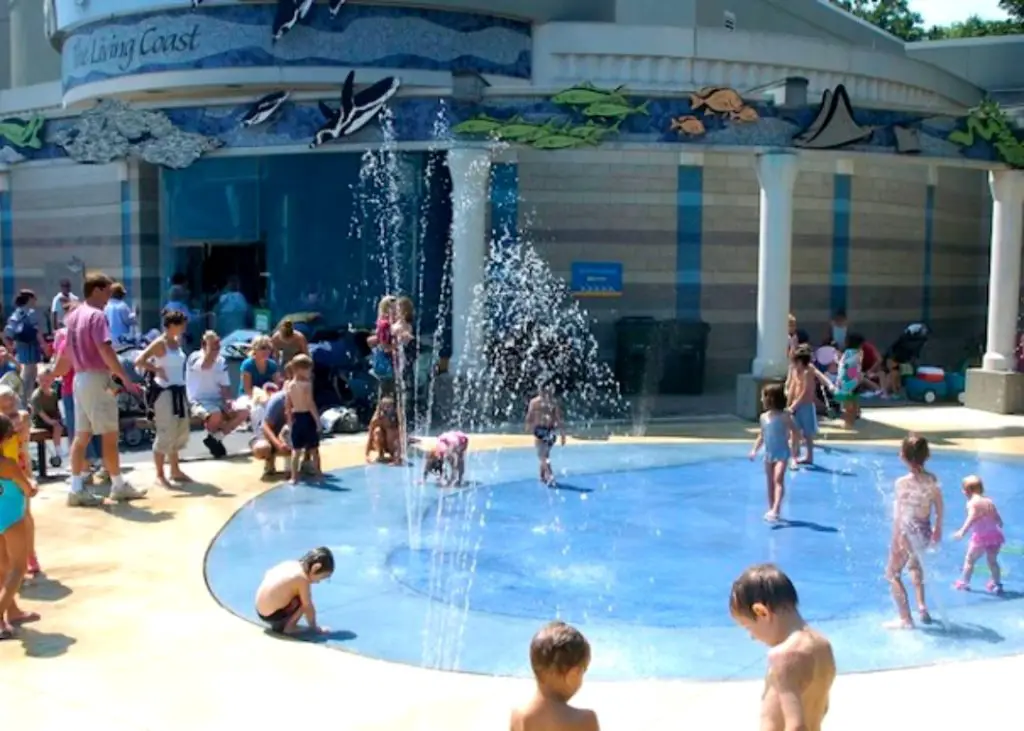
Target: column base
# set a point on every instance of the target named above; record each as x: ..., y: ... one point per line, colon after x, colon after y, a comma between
x: 999, y: 392
x: 748, y: 394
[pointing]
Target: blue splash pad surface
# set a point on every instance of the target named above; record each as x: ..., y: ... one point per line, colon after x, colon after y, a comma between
x: 638, y: 547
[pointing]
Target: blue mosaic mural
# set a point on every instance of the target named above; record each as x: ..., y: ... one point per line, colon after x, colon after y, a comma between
x: 667, y: 122
x: 241, y: 36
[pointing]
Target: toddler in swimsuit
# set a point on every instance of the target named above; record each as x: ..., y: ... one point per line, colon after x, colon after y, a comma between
x: 986, y: 526
x: 15, y: 491
x: 917, y: 496
x: 544, y: 421
x: 777, y: 436
x: 303, y: 417
x: 802, y: 404
x: 447, y: 458
x: 284, y: 597
x: 848, y: 379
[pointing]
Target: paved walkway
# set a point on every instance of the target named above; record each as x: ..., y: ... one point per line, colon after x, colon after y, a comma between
x: 132, y: 640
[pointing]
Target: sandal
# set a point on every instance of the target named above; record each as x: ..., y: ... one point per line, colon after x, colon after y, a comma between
x: 6, y: 633
x: 26, y: 618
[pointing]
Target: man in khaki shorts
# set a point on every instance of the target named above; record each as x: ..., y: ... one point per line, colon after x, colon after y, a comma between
x: 90, y: 353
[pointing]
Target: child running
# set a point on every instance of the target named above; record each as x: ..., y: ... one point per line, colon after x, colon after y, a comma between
x: 802, y: 404
x: 986, y: 526
x: 447, y: 459
x: 559, y: 656
x: 917, y: 495
x: 778, y: 436
x: 801, y: 666
x: 303, y: 417
x: 15, y: 491
x: 285, y: 595
x: 848, y: 379
x: 544, y: 421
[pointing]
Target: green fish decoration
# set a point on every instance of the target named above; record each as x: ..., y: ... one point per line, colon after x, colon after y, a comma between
x: 584, y: 95
x: 558, y: 142
x: 614, y: 110
x: 481, y: 125
x: 22, y: 133
x: 989, y: 122
x: 519, y: 130
x: 592, y: 133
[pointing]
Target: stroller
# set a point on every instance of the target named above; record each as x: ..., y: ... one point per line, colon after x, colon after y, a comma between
x: 824, y: 357
x: 905, y: 352
x: 134, y: 411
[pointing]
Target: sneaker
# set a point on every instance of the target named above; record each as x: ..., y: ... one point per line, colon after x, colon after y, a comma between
x: 84, y: 499
x: 126, y: 492
x: 216, y: 447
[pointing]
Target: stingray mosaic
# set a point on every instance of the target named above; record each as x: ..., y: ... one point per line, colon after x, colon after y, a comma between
x: 295, y: 35
x: 582, y: 116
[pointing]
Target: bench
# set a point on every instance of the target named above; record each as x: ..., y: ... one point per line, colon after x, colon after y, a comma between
x: 40, y: 437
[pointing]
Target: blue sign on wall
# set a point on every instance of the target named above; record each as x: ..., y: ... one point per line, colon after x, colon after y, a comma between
x: 596, y: 279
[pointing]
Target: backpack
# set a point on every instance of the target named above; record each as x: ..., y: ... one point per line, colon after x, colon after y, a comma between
x: 21, y: 327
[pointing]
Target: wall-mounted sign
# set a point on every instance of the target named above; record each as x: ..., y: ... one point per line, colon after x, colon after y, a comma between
x: 596, y: 279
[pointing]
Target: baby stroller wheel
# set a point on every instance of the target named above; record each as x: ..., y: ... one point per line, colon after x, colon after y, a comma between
x: 133, y: 437
x: 55, y: 460
x: 929, y: 397
x: 962, y: 397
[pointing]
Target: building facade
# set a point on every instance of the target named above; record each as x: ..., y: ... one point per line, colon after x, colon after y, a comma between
x: 643, y: 147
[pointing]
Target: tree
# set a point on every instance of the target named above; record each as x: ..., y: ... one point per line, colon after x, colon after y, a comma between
x: 1015, y: 9
x: 976, y: 27
x: 892, y: 16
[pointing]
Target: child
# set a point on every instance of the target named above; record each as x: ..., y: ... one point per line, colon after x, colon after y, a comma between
x: 284, y: 597
x: 15, y: 491
x: 802, y: 404
x: 45, y: 408
x: 778, y: 436
x: 447, y: 458
x: 544, y: 421
x: 381, y: 357
x: 986, y: 524
x: 15, y: 448
x: 559, y: 656
x: 917, y: 494
x: 303, y: 417
x: 801, y: 666
x: 848, y: 379
x: 384, y: 435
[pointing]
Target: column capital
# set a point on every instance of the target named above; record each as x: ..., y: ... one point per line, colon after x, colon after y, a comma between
x: 1007, y: 186
x: 777, y: 170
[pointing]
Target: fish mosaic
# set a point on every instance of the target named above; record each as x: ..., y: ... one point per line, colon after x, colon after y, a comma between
x: 357, y: 109
x: 265, y: 108
x: 592, y: 114
x: 24, y: 133
x: 716, y: 101
x: 989, y: 123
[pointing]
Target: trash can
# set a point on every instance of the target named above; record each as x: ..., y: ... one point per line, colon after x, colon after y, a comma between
x: 638, y: 348
x: 685, y: 344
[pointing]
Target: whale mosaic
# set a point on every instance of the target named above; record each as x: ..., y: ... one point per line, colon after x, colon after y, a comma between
x: 264, y: 108
x: 356, y: 109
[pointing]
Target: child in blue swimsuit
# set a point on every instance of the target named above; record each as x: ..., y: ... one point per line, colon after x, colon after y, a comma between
x: 15, y: 489
x: 777, y: 436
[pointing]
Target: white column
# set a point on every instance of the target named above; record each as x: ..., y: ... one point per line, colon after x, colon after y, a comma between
x: 776, y: 174
x: 470, y: 170
x: 1004, y: 269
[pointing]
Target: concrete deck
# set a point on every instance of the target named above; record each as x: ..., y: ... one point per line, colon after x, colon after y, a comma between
x: 131, y: 638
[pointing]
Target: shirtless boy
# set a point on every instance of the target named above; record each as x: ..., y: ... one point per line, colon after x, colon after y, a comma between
x: 559, y: 656
x: 303, y: 417
x: 801, y: 667
x: 285, y: 595
x: 544, y: 421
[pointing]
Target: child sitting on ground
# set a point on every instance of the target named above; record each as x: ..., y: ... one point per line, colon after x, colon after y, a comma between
x: 15, y: 492
x: 778, y: 436
x: 559, y: 656
x: 544, y: 421
x: 384, y: 436
x: 986, y: 524
x: 45, y: 408
x: 303, y: 417
x: 801, y: 666
x: 285, y: 595
x: 447, y: 458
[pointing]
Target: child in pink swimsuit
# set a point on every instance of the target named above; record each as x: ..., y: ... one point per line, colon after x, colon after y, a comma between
x: 447, y: 458
x: 986, y: 526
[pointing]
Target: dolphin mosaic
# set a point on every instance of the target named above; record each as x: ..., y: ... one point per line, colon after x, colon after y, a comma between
x: 24, y: 133
x: 265, y: 108
x: 833, y: 126
x: 356, y: 110
x: 334, y: 7
x: 289, y: 13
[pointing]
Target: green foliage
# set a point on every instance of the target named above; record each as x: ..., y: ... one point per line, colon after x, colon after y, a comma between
x: 892, y: 16
x: 1013, y: 8
x: 976, y: 27
x: 990, y: 123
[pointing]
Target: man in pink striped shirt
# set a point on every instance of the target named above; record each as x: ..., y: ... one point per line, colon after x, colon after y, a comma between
x: 90, y: 353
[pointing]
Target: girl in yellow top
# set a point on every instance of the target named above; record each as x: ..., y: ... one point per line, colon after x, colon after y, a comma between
x: 15, y: 448
x: 15, y: 491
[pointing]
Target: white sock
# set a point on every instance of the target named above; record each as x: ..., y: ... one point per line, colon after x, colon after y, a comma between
x: 216, y: 435
x: 77, y: 484
x: 117, y: 482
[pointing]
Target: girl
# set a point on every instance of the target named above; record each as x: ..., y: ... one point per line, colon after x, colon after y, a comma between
x: 165, y: 360
x: 384, y: 435
x: 986, y: 524
x: 849, y: 379
x: 778, y: 434
x: 447, y: 459
x: 15, y: 448
x: 15, y: 491
x: 381, y: 357
x: 917, y: 495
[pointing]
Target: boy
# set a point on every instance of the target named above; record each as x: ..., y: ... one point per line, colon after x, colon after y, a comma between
x: 559, y: 656
x: 544, y: 421
x: 801, y: 667
x: 45, y: 409
x: 303, y: 417
x: 802, y: 404
x: 284, y: 597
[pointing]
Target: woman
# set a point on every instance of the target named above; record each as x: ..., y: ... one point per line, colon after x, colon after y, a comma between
x: 67, y: 401
x: 288, y: 343
x: 24, y: 335
x: 259, y: 368
x: 165, y: 359
x: 120, y: 317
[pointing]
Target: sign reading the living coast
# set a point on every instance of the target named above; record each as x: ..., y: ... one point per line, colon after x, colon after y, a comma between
x: 125, y: 48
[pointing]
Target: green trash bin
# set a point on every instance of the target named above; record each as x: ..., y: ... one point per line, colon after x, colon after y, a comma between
x: 638, y: 359
x: 685, y: 344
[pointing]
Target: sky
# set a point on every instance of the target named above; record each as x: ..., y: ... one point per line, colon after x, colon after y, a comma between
x: 944, y: 12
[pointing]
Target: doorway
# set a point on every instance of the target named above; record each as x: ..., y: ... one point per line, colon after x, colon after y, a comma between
x: 209, y: 266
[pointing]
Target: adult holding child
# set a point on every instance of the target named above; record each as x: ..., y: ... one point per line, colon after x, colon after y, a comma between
x: 165, y: 359
x: 90, y: 352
